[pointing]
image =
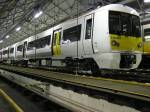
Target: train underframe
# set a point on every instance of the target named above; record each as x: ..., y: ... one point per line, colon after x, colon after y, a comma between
x: 69, y: 63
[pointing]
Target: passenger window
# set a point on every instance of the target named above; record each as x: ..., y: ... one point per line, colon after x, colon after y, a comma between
x: 42, y: 42
x: 5, y: 52
x: 19, y: 48
x: 72, y: 34
x: 147, y: 32
x: 11, y: 50
x: 88, y: 33
x: 31, y: 45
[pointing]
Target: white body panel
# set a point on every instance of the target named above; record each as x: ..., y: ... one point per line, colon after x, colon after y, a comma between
x: 46, y: 51
x: 12, y: 55
x: 69, y: 49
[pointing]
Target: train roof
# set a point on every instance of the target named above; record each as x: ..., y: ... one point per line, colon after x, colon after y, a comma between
x: 114, y: 7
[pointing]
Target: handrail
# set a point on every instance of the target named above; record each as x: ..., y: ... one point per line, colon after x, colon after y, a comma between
x: 10, y: 101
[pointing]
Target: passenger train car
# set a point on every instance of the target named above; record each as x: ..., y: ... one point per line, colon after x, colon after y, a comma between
x: 105, y: 38
x: 146, y: 29
x: 145, y: 63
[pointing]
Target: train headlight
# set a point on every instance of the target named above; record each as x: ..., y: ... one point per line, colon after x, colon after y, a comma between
x: 139, y: 45
x: 114, y: 43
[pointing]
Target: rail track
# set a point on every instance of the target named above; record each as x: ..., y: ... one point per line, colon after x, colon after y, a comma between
x: 131, y: 89
x: 137, y: 75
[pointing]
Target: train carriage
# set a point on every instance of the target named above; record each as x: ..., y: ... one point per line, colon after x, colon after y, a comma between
x: 105, y: 38
x: 146, y: 47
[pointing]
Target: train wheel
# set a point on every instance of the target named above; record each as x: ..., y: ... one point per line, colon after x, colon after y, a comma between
x: 95, y: 69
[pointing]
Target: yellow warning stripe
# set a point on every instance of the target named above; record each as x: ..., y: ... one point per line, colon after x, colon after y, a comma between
x: 117, y: 81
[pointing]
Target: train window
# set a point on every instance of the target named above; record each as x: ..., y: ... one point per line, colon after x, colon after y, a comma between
x: 147, y: 32
x: 72, y: 34
x: 124, y: 24
x: 19, y: 48
x: 114, y: 22
x: 88, y: 33
x: 5, y: 52
x: 42, y: 42
x: 11, y: 50
x: 31, y: 45
x: 136, y: 28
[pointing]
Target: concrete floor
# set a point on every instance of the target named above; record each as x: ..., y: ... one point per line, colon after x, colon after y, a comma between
x: 4, y: 107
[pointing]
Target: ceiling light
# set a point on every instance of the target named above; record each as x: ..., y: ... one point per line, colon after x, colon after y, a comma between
x: 17, y: 29
x: 7, y: 36
x: 147, y: 1
x: 1, y: 41
x: 38, y: 14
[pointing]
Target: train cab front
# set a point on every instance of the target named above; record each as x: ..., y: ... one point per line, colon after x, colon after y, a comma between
x: 125, y: 38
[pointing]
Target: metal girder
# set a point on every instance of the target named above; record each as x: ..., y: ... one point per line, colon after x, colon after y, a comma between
x: 28, y: 13
x: 126, y: 1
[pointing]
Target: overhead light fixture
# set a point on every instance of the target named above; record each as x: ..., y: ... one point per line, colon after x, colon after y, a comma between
x: 147, y: 1
x: 18, y: 28
x: 1, y: 41
x: 7, y: 36
x: 38, y: 14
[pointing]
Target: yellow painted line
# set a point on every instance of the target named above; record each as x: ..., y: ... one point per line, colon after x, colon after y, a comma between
x: 120, y: 81
x: 135, y: 93
x: 10, y: 101
x: 113, y: 80
x: 119, y: 90
x: 128, y: 92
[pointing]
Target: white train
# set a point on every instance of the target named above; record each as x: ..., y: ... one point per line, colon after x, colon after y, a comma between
x: 105, y: 38
x: 146, y: 31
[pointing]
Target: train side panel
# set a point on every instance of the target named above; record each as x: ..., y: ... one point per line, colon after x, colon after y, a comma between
x: 44, y: 51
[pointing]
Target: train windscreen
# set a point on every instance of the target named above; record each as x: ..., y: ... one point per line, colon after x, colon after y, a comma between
x: 124, y: 24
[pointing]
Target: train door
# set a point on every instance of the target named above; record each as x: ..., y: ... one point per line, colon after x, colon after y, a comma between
x: 88, y: 34
x: 24, y: 49
x: 56, y: 50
